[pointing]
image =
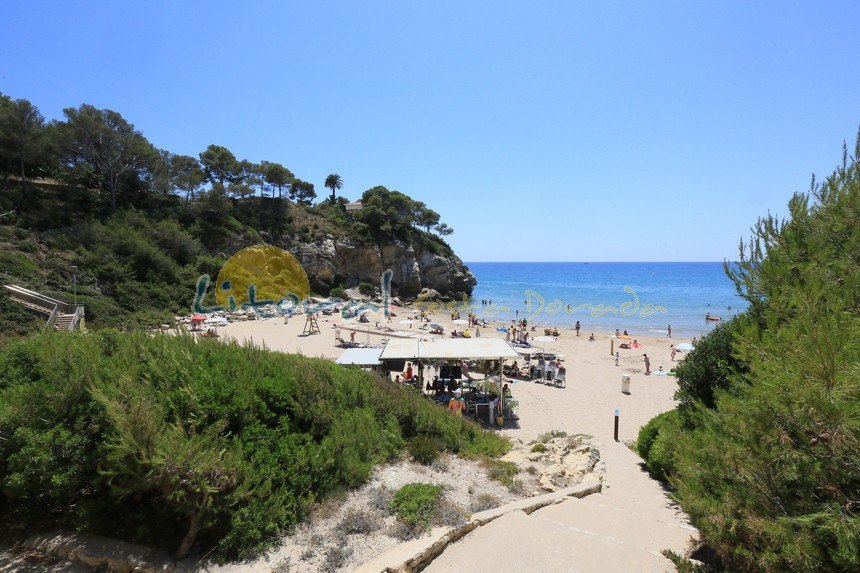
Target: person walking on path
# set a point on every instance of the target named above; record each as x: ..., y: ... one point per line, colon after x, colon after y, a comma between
x: 670, y: 331
x: 647, y: 365
x: 577, y: 327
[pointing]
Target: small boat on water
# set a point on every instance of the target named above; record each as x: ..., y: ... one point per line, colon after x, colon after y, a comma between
x: 712, y: 318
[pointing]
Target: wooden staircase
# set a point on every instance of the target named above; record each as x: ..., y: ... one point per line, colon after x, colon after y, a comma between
x: 58, y: 314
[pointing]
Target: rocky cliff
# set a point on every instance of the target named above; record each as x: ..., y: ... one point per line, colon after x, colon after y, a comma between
x: 331, y: 261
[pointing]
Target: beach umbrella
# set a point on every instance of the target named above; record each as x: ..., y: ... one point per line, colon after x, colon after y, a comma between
x: 198, y: 318
x: 435, y: 325
x: 460, y: 321
x: 477, y: 332
x: 544, y: 339
x: 216, y: 320
x: 684, y: 346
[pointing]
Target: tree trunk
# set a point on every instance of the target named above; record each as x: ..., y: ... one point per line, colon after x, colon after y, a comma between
x: 113, y: 193
x: 193, y: 529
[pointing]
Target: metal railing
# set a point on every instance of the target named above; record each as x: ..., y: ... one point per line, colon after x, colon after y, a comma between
x: 47, y: 305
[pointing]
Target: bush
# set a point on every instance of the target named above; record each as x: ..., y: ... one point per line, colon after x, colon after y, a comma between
x: 414, y: 503
x: 539, y: 448
x: 655, y: 444
x: 547, y: 436
x: 448, y: 514
x: 182, y: 443
x: 768, y: 473
x: 484, y: 501
x: 336, y: 558
x: 380, y: 499
x: 358, y: 521
x: 423, y: 450
x: 709, y: 368
x: 339, y: 292
x: 365, y: 289
x: 503, y: 472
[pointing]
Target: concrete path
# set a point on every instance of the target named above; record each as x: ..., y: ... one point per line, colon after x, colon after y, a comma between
x: 626, y: 526
x: 623, y: 529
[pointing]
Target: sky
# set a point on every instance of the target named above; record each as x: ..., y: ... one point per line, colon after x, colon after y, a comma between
x: 540, y: 131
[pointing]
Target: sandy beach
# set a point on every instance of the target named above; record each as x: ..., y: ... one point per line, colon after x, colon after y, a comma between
x: 586, y: 405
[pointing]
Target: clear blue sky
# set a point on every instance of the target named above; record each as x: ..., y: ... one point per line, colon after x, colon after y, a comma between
x: 600, y: 131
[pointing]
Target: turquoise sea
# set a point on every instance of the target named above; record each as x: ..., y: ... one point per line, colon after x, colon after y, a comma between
x: 606, y: 296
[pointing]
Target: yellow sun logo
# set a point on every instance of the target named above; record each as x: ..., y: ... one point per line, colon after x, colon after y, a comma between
x: 261, y: 274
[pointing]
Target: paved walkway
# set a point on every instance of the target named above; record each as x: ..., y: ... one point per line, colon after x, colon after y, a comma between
x: 622, y: 529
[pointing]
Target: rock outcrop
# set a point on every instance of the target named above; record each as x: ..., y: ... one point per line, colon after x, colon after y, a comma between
x: 331, y: 261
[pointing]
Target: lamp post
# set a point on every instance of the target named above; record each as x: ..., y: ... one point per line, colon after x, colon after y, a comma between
x: 75, y: 282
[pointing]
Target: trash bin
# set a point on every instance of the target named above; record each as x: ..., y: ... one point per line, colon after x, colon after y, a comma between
x: 625, y: 383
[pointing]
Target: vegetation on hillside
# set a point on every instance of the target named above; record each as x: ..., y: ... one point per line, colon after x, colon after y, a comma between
x: 194, y: 445
x: 764, y: 450
x: 142, y: 223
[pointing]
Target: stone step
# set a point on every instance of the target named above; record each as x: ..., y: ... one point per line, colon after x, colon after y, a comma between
x: 63, y: 321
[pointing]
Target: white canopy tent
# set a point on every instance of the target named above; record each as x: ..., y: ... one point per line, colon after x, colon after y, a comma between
x: 448, y: 349
x: 360, y: 357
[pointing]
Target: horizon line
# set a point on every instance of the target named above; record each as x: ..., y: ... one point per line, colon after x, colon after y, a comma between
x: 589, y: 262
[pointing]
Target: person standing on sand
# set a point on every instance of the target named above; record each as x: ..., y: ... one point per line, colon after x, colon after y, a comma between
x: 577, y: 327
x: 617, y: 356
x: 672, y: 351
x: 647, y: 365
x: 670, y: 331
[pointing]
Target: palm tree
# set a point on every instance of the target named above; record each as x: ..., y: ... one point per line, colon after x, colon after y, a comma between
x: 335, y: 183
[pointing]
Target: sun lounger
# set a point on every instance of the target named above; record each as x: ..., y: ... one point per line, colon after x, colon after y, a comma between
x: 560, y: 379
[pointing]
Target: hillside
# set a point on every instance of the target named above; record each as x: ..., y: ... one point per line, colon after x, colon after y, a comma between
x: 141, y: 224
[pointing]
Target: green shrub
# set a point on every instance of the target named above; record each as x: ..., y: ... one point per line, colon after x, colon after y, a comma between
x: 769, y: 473
x: 415, y: 503
x: 502, y: 472
x: 539, y: 448
x: 547, y: 436
x: 709, y: 368
x: 423, y: 450
x: 655, y: 444
x: 365, y: 288
x: 339, y: 292
x: 189, y: 444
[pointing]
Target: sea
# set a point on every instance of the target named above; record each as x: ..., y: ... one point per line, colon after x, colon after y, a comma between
x: 642, y: 298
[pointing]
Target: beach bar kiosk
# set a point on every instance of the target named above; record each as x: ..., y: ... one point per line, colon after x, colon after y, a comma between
x: 454, y: 349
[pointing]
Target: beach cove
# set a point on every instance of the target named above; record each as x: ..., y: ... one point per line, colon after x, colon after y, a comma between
x: 585, y: 406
